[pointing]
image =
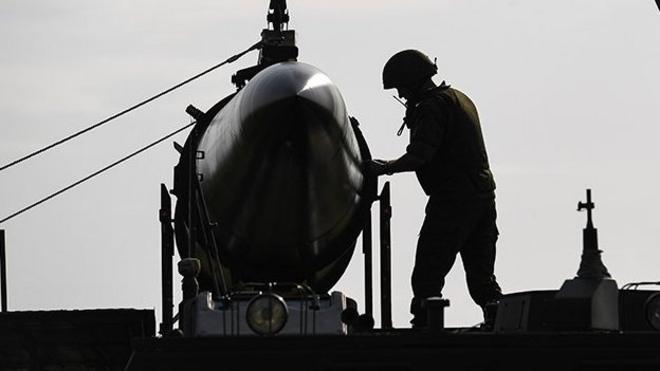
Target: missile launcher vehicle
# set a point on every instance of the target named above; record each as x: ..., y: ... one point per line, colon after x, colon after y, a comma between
x: 271, y: 198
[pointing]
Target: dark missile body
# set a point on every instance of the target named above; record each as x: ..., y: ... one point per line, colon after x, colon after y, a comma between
x: 280, y: 169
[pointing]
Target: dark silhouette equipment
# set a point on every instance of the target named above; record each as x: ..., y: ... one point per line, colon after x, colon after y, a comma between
x: 271, y: 198
x: 385, y: 257
x: 278, y: 14
x: 167, y: 254
x: 278, y: 44
x: 367, y: 251
x: 588, y: 302
x: 242, y: 290
x: 591, y: 265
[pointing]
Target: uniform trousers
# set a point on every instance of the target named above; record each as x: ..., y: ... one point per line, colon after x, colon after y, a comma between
x: 456, y: 226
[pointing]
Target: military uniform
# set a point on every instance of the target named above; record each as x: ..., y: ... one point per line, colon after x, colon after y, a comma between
x: 460, y: 214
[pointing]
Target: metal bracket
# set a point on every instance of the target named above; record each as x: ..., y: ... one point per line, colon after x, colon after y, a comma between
x: 167, y: 253
x: 385, y: 258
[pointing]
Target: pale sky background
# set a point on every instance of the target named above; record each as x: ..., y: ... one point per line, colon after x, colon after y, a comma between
x: 568, y: 92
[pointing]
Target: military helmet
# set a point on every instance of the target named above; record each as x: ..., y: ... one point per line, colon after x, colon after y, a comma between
x: 406, y: 68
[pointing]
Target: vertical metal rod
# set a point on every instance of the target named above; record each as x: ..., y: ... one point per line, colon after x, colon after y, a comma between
x: 367, y: 242
x: 192, y: 172
x: 385, y: 258
x: 167, y: 251
x: 3, y: 271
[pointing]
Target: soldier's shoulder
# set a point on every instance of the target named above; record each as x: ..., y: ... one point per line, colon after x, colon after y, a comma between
x: 458, y: 94
x: 439, y: 101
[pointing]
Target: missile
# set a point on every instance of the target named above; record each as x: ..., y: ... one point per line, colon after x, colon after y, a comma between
x: 281, y: 174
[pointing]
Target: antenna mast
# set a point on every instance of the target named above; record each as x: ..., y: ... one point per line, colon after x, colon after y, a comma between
x: 278, y: 43
x: 278, y: 15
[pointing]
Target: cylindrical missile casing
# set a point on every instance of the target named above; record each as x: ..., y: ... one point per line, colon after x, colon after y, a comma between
x: 281, y: 175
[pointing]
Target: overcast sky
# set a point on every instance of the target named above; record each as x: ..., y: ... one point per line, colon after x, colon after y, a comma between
x: 567, y: 92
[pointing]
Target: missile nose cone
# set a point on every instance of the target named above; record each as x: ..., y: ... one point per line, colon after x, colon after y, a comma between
x: 280, y: 90
x: 291, y: 79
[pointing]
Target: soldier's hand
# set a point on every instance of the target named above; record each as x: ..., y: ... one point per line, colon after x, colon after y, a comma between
x: 377, y: 167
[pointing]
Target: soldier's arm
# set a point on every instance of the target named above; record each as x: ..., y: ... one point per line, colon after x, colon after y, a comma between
x: 407, y: 162
x: 426, y: 137
x: 425, y: 140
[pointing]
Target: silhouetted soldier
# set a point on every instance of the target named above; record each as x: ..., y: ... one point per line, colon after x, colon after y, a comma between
x: 448, y: 154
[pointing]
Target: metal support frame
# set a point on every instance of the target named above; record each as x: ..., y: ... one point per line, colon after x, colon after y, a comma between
x: 385, y: 258
x: 368, y: 265
x: 167, y: 253
x: 191, y: 179
x: 3, y: 271
x: 200, y: 230
x: 200, y: 227
x: 208, y: 233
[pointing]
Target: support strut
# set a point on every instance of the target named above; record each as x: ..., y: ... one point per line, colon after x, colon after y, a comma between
x: 368, y: 265
x: 167, y: 253
x: 385, y: 258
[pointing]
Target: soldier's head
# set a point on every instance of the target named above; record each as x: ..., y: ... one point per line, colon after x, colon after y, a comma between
x: 408, y: 71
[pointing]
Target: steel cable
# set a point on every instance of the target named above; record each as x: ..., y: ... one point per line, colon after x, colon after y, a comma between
x: 94, y: 174
x: 144, y: 102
